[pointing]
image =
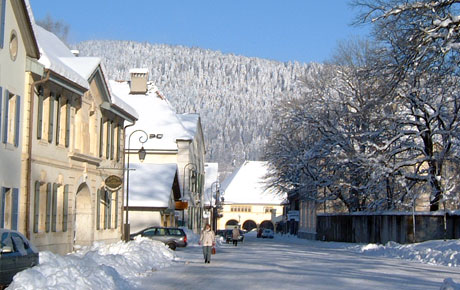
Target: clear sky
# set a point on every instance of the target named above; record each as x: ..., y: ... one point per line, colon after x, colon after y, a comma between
x: 284, y: 30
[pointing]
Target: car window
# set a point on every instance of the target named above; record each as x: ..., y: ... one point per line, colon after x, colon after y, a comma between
x: 18, y: 244
x: 175, y: 232
x: 149, y: 233
x: 160, y: 232
x: 7, y: 241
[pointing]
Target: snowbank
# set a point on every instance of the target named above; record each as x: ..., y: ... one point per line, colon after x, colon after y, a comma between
x: 445, y: 253
x: 449, y: 284
x: 113, y: 266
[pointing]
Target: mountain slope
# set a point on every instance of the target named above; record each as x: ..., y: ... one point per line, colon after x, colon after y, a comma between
x: 233, y: 94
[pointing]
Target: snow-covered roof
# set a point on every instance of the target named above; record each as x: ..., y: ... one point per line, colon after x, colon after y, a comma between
x: 151, y: 184
x: 124, y: 106
x: 138, y: 70
x: 190, y: 122
x: 54, y: 54
x: 84, y: 66
x: 211, y: 171
x: 155, y: 116
x: 247, y: 185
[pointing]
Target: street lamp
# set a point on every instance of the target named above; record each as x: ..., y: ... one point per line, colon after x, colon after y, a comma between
x: 217, y: 202
x: 194, y: 168
x: 142, y: 153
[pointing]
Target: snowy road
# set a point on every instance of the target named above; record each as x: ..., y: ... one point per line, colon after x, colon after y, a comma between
x: 285, y: 263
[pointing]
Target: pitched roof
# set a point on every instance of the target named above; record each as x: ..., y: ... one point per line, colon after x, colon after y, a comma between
x: 150, y: 185
x: 156, y: 116
x: 247, y: 185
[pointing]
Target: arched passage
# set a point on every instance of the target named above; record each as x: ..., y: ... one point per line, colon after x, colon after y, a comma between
x: 267, y: 225
x: 231, y: 223
x: 83, y: 229
x: 249, y: 225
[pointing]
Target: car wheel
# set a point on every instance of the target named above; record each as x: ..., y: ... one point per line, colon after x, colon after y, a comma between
x: 172, y: 246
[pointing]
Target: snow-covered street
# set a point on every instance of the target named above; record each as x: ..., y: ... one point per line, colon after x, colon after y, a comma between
x: 290, y: 263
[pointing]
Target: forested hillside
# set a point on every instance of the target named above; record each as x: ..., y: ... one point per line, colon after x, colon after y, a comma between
x: 233, y: 94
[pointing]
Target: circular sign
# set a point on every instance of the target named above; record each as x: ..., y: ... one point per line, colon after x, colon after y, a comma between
x: 113, y: 182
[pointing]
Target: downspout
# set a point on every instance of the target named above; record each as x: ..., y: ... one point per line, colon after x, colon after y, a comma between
x: 123, y: 195
x: 29, y: 150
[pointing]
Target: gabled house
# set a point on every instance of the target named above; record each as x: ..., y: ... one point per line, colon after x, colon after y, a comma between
x: 168, y: 138
x: 18, y: 69
x: 75, y: 141
x: 248, y: 203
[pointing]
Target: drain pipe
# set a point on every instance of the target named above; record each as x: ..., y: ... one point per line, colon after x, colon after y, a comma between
x: 29, y: 150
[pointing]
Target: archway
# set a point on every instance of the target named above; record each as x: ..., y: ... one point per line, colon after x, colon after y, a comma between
x: 231, y: 223
x: 249, y: 225
x: 267, y: 225
x: 83, y: 229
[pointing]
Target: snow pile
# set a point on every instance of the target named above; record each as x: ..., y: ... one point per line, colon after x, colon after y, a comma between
x: 449, y: 284
x: 113, y: 266
x: 445, y: 253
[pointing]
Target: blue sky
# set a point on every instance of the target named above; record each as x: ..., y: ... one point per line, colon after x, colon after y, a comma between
x: 290, y: 30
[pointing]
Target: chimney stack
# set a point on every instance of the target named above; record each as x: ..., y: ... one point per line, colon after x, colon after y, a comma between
x: 139, y: 78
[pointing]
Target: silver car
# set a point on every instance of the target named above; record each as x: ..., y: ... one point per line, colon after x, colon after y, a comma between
x: 16, y: 254
x: 171, y: 237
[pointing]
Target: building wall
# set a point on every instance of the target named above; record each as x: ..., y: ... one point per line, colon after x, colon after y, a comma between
x: 12, y: 81
x: 69, y: 204
x: 258, y: 213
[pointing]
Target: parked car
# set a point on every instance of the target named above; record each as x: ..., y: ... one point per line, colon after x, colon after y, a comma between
x: 171, y: 237
x: 267, y: 233
x: 16, y: 254
x: 229, y: 236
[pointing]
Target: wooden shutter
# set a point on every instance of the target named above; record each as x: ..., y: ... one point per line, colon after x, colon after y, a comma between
x: 109, y: 209
x: 112, y: 138
x: 17, y: 121
x: 51, y: 118
x: 5, y: 116
x: 2, y: 207
x: 54, y: 207
x: 2, y: 23
x: 101, y: 138
x: 48, y: 207
x: 36, y: 206
x: 116, y: 210
x: 98, y: 210
x: 106, y: 207
x: 67, y: 124
x: 107, y: 152
x: 40, y: 113
x: 58, y: 119
x: 65, y: 209
x: 118, y: 142
x: 15, y: 209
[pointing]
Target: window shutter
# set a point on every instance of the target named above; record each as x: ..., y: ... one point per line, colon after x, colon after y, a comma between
x: 48, y: 207
x: 106, y: 207
x: 107, y: 152
x: 54, y: 207
x: 15, y: 209
x: 5, y: 117
x: 1, y: 102
x: 112, y: 138
x: 17, y: 121
x: 2, y: 207
x: 40, y: 113
x: 67, y: 124
x: 101, y: 138
x: 118, y: 142
x: 36, y: 206
x: 51, y: 118
x: 58, y: 119
x: 2, y: 23
x: 98, y: 211
x: 109, y: 209
x: 116, y: 209
x: 65, y: 209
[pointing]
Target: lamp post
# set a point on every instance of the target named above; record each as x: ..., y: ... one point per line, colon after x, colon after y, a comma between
x: 194, y: 167
x: 217, y: 202
x: 142, y: 153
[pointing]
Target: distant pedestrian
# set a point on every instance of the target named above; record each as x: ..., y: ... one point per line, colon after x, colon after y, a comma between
x: 235, y: 236
x: 208, y: 241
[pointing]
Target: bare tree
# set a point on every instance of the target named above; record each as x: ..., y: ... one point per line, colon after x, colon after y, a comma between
x: 58, y: 27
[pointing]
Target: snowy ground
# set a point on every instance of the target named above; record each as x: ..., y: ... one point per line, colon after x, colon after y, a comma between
x: 281, y: 263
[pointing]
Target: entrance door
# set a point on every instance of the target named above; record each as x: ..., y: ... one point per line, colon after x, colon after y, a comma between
x: 83, y: 230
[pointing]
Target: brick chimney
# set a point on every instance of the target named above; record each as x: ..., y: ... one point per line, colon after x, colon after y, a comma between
x: 139, y: 78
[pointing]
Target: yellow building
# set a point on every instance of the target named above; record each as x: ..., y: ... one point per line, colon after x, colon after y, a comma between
x: 247, y: 201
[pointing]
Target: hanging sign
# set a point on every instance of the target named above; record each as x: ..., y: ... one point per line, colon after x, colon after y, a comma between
x: 113, y: 182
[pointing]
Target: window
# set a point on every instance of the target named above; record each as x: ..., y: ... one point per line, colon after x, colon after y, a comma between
x: 241, y: 208
x: 9, y: 206
x: 112, y: 138
x: 268, y: 209
x: 48, y: 207
x: 118, y: 142
x: 58, y: 119
x: 105, y: 209
x: 1, y: 105
x: 13, y: 45
x: 65, y: 207
x: 11, y: 118
x: 67, y: 123
x: 37, y: 206
x: 2, y: 22
x: 109, y: 145
x: 51, y: 101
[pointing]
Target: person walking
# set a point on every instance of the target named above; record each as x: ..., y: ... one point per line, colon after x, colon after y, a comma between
x: 235, y: 236
x: 207, y: 240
